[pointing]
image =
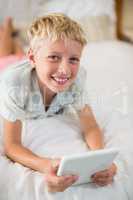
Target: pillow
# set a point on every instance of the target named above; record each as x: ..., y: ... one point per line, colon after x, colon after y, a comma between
x: 62, y: 138
x: 109, y: 67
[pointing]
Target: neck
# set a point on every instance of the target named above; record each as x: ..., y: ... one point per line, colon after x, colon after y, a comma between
x: 47, y: 94
x: 48, y: 97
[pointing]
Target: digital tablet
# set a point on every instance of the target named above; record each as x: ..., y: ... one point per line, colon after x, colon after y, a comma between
x: 86, y: 164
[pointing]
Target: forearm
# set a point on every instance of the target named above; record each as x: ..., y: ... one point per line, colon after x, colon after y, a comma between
x: 24, y: 156
x: 92, y: 133
x: 94, y: 138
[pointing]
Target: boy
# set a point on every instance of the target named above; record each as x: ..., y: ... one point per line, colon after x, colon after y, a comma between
x: 47, y: 85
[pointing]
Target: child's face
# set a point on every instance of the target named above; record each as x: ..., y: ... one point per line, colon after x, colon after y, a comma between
x: 57, y: 63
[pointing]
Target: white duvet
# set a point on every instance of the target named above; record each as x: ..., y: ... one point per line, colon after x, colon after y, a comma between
x: 57, y: 136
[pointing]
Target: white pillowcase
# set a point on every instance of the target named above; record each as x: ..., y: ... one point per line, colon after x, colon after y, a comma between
x: 54, y: 136
x: 109, y: 68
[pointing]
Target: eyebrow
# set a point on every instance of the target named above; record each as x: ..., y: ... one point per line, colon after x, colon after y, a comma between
x: 73, y: 55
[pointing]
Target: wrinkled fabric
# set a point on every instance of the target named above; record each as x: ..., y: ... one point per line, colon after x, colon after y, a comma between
x: 64, y: 138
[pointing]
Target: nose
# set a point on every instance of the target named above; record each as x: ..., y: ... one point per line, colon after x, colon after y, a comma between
x: 64, y: 67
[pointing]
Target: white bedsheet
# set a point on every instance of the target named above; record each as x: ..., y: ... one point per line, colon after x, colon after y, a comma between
x: 63, y: 137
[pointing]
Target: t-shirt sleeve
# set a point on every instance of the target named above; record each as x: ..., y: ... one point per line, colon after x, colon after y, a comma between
x: 81, y: 95
x: 11, y: 102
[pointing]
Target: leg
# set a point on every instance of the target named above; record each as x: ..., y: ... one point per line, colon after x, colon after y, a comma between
x: 6, y: 40
x: 18, y: 50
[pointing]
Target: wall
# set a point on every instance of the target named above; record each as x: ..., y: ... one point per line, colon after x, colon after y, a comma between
x: 23, y: 11
x: 127, y: 23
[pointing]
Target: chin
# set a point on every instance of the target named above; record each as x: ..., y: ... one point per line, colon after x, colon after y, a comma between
x: 57, y: 90
x: 60, y: 88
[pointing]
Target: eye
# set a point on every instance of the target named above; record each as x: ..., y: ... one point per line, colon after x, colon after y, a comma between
x: 74, y: 60
x: 53, y: 58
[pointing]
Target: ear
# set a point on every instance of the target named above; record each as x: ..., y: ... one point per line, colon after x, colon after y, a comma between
x: 31, y: 56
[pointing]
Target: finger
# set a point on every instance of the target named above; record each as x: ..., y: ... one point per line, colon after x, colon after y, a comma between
x: 54, y: 167
x: 55, y: 185
x: 103, y: 181
x: 52, y: 180
x: 101, y: 184
x: 71, y: 181
x: 102, y: 176
x: 104, y: 173
x: 56, y: 162
x: 105, y: 177
x: 59, y: 187
x: 67, y: 184
x: 66, y: 180
x: 55, y: 189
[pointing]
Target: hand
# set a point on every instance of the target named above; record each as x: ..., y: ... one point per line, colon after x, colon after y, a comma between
x: 105, y: 177
x: 58, y: 183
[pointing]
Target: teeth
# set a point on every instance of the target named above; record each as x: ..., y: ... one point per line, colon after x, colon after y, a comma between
x: 60, y: 80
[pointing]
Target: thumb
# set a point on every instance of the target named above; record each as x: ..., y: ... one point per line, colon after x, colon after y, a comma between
x: 55, y: 166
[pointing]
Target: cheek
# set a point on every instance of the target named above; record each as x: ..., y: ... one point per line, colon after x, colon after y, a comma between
x: 74, y: 70
x: 44, y: 68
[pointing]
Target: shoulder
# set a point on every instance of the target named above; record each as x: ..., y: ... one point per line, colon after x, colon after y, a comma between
x: 75, y: 97
x: 13, y: 85
x: 16, y: 75
x: 81, y: 78
x: 78, y: 87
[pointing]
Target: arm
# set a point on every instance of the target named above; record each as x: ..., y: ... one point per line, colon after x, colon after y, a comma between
x: 17, y: 152
x: 91, y: 131
x: 94, y: 138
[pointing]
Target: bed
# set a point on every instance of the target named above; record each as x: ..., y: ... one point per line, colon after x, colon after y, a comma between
x: 109, y: 82
x: 109, y: 66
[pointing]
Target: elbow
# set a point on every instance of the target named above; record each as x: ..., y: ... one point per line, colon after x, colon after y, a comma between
x: 9, y: 150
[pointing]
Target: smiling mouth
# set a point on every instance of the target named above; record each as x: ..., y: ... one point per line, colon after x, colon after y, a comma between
x: 60, y: 80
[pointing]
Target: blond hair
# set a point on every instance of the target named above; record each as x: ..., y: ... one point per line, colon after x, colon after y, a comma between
x: 56, y: 26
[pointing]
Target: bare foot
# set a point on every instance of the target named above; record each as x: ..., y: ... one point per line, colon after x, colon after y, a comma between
x: 6, y: 40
